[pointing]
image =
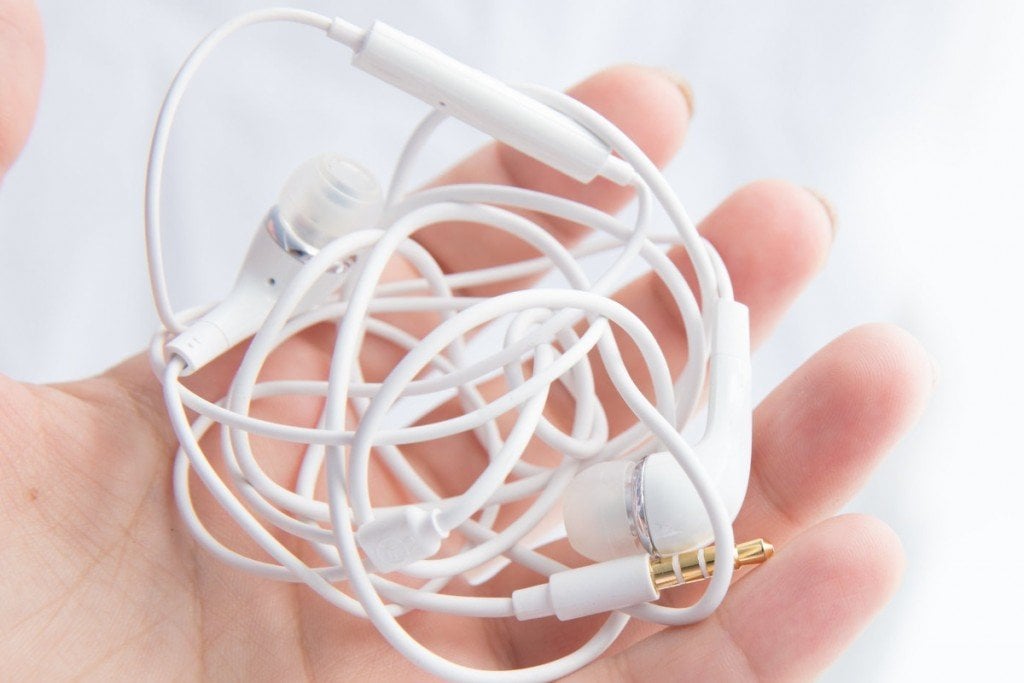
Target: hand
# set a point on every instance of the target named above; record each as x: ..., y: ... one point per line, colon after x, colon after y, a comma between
x: 99, y: 579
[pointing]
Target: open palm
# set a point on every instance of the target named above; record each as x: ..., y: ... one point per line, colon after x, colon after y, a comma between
x: 99, y: 579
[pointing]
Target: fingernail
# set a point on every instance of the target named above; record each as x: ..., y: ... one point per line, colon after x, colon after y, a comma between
x: 830, y: 210
x: 684, y: 87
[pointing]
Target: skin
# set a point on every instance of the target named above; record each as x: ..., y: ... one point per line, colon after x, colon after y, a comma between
x: 99, y: 580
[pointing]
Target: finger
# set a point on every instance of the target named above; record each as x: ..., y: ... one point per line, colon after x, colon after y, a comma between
x: 656, y: 118
x: 773, y: 236
x: 650, y: 105
x: 819, y: 435
x: 792, y: 618
x: 21, y: 72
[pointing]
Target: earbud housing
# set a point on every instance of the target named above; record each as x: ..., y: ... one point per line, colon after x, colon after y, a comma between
x: 326, y: 197
x: 620, y: 507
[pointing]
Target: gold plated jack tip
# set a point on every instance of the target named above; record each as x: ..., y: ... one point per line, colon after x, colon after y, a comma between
x: 698, y: 565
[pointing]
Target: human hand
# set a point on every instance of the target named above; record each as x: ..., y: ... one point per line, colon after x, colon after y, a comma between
x: 100, y: 580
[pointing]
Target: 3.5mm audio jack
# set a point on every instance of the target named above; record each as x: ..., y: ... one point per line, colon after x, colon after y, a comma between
x: 624, y: 582
x: 698, y: 565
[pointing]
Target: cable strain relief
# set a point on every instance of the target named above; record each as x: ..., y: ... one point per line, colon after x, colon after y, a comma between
x: 593, y: 589
x: 346, y: 33
x: 618, y: 171
x: 198, y: 345
x: 533, y: 602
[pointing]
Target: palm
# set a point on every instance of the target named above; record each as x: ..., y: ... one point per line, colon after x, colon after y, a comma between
x: 100, y: 579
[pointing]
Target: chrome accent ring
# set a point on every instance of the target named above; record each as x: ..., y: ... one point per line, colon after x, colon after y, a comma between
x: 282, y: 233
x: 295, y: 246
x: 636, y: 510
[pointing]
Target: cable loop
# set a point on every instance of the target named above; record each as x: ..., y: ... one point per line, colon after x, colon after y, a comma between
x: 547, y: 340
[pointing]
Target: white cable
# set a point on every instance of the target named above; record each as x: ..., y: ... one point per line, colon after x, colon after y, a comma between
x: 162, y: 132
x: 551, y: 337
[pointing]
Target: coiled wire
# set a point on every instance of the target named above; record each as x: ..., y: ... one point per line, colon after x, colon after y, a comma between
x: 559, y: 330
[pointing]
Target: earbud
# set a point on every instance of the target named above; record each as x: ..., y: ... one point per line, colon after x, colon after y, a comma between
x: 620, y: 507
x: 325, y: 198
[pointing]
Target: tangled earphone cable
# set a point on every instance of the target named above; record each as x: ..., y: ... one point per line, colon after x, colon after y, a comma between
x: 558, y: 332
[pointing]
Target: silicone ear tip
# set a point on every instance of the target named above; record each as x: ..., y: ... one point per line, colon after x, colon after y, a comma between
x: 596, y: 513
x: 329, y: 196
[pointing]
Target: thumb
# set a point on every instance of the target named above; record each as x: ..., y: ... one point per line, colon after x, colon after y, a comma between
x: 21, y: 74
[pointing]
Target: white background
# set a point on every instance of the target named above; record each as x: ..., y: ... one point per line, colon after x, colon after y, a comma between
x: 908, y: 116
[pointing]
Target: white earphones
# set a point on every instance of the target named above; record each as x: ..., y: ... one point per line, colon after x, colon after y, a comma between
x: 643, y: 504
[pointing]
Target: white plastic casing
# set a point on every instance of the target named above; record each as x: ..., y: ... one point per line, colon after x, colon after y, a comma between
x: 593, y: 589
x: 676, y: 520
x: 658, y: 508
x: 486, y: 103
x: 726, y: 446
x: 325, y: 198
x: 266, y: 268
x: 399, y: 537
